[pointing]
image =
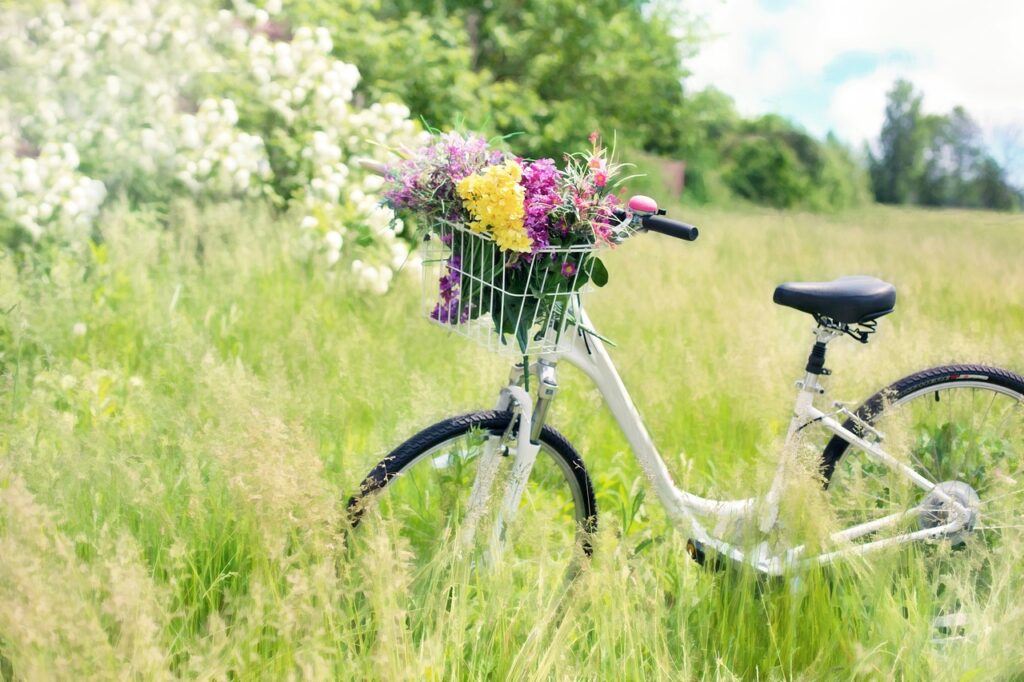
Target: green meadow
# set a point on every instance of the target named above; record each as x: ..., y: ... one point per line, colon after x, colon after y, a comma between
x: 185, y: 409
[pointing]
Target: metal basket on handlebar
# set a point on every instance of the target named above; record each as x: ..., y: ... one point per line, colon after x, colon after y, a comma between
x: 510, y: 303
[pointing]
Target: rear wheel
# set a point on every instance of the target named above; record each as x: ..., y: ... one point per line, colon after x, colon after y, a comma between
x: 421, y: 492
x: 962, y: 428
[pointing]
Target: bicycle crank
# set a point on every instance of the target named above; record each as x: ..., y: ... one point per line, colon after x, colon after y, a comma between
x: 936, y: 511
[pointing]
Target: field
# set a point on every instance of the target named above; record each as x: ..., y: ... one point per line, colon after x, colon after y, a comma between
x: 183, y: 416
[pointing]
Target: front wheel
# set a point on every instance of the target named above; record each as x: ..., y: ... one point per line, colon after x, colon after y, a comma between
x: 962, y: 428
x: 421, y: 491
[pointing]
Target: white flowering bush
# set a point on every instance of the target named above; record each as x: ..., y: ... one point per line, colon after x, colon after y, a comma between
x: 153, y: 99
x: 214, y: 157
x: 47, y: 191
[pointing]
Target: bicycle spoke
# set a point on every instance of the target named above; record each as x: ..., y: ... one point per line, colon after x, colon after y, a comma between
x: 999, y: 527
x: 989, y: 500
x: 426, y: 502
x: 1010, y: 410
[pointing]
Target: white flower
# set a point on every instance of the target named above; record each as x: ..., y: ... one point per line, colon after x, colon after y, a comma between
x: 333, y: 239
x: 323, y: 40
x: 309, y: 222
x: 383, y: 281
x: 241, y: 178
x: 30, y: 181
x: 79, y: 329
x: 113, y: 86
x: 399, y: 254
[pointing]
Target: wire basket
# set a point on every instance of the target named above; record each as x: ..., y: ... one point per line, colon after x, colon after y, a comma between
x: 509, y: 303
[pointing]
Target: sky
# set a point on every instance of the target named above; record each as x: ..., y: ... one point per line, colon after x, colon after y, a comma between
x: 827, y: 64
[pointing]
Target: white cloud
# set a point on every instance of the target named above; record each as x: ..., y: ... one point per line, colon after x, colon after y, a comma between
x: 959, y: 53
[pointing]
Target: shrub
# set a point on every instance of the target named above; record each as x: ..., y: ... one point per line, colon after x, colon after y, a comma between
x: 150, y: 100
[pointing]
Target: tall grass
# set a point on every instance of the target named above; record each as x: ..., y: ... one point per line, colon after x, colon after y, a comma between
x: 172, y: 481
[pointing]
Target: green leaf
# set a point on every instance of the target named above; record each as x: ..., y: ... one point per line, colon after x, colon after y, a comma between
x: 598, y: 272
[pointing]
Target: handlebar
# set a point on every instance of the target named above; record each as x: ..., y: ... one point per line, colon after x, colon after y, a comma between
x: 672, y: 228
x: 662, y: 225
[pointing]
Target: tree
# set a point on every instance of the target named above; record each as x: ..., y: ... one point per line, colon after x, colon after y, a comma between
x: 772, y: 161
x: 992, y: 188
x: 956, y: 170
x: 934, y: 185
x: 549, y: 71
x: 900, y: 147
x: 765, y: 170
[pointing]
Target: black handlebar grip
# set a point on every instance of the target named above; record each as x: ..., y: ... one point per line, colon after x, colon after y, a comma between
x: 671, y: 228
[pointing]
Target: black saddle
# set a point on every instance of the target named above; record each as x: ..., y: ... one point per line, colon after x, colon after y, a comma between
x: 849, y: 300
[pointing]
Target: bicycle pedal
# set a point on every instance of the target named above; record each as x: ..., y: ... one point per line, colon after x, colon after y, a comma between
x: 703, y: 557
x: 695, y: 550
x: 706, y: 557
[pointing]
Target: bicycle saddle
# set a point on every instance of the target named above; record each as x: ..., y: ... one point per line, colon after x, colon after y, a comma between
x: 849, y: 300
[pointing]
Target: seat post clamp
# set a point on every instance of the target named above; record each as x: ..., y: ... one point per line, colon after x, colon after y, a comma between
x: 816, y: 360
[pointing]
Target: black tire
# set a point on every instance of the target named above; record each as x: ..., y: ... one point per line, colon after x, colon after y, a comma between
x: 873, y: 408
x: 495, y: 423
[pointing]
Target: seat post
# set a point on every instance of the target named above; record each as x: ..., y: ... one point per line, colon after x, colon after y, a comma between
x: 816, y: 360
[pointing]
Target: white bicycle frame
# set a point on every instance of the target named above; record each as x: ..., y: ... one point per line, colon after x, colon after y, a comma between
x: 686, y: 510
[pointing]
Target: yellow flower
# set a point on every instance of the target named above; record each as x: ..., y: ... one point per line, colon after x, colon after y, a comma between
x: 495, y: 200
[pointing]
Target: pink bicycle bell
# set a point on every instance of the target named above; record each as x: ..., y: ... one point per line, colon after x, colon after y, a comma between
x: 643, y: 205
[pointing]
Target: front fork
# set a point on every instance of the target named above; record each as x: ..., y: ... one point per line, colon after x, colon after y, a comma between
x: 531, y: 422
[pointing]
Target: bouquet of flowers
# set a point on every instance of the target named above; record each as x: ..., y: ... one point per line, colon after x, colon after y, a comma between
x: 517, y: 236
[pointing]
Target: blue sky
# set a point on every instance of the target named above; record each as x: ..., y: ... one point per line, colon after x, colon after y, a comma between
x: 828, y: 64
x: 808, y: 100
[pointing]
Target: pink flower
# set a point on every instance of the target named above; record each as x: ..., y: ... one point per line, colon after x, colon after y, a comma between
x: 600, y: 178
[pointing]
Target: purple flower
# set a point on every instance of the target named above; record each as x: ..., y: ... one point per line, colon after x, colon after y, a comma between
x: 568, y: 269
x: 425, y: 183
x: 449, y: 310
x: 540, y: 180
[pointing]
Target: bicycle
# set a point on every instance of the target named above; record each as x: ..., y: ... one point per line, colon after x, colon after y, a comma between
x: 954, y: 471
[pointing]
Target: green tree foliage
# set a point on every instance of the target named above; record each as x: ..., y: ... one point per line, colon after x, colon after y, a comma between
x: 766, y: 170
x: 936, y: 160
x: 598, y: 64
x: 550, y: 71
x: 425, y: 60
x: 770, y: 161
x: 993, y: 189
x: 896, y: 168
